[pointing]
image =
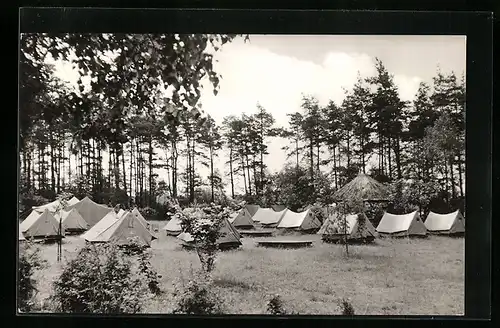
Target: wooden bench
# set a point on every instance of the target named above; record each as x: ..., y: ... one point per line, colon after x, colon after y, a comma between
x: 285, y: 243
x: 256, y: 233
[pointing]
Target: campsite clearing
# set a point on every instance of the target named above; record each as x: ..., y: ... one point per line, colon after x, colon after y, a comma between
x: 392, y: 276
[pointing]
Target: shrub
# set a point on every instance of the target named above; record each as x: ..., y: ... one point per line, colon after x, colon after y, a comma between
x: 29, y: 262
x: 101, y: 279
x: 198, y: 296
x: 203, y: 224
x: 275, y: 306
x: 347, y: 308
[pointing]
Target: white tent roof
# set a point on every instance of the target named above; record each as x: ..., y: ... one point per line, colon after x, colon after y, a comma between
x: 72, y: 220
x: 174, y: 225
x: 21, y: 236
x: 52, y: 206
x: 141, y: 218
x: 73, y: 201
x: 40, y: 225
x: 122, y: 230
x: 393, y: 223
x: 268, y: 216
x: 102, y: 225
x: 304, y: 220
x: 442, y: 222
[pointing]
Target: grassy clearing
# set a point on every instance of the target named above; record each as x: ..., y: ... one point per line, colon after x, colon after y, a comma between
x: 400, y: 276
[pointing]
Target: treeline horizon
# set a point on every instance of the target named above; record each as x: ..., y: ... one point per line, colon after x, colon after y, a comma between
x: 124, y: 116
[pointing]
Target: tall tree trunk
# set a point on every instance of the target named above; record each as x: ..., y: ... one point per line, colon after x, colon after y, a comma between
x: 318, y: 166
x: 124, y: 170
x: 117, y: 167
x: 389, y: 156
x: 452, y: 178
x: 193, y: 171
x: 212, y: 172
x: 297, y: 153
x: 174, y: 169
x: 231, y: 170
x: 248, y: 176
x: 52, y: 164
x: 311, y: 159
x: 335, y: 168
x: 131, y: 167
x: 445, y: 165
x: 244, y: 174
x: 398, y: 158
x: 151, y: 177
x: 255, y: 178
x: 460, y: 179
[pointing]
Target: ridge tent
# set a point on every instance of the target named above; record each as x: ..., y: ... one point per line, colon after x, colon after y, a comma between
x: 102, y: 225
x: 401, y: 225
x: 173, y: 227
x: 90, y: 210
x: 73, y: 201
x: 228, y: 239
x: 121, y: 230
x: 21, y: 236
x: 252, y: 209
x: 72, y: 221
x: 141, y: 218
x: 242, y: 219
x: 447, y: 224
x: 52, y: 206
x: 333, y: 228
x: 305, y: 220
x: 267, y: 217
x: 41, y: 225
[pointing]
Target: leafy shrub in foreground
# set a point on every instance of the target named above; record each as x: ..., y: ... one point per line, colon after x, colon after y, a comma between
x: 101, y: 279
x: 29, y: 262
x: 275, y: 306
x: 198, y: 297
x: 347, y: 308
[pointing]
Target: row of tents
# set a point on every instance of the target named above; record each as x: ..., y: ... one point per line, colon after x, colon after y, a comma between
x: 97, y: 222
x: 354, y: 227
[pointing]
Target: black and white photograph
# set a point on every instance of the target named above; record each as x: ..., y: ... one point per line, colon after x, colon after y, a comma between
x: 265, y: 174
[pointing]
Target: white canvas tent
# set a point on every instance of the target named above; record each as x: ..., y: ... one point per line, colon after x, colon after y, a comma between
x: 401, y: 225
x: 121, y: 230
x: 252, y: 209
x: 52, y: 206
x: 229, y: 237
x: 173, y: 227
x: 242, y: 219
x: 334, y: 228
x: 41, y: 225
x: 448, y: 224
x: 72, y: 221
x: 139, y: 216
x: 21, y: 236
x: 305, y: 220
x: 90, y: 210
x: 73, y: 201
x: 268, y: 217
x: 108, y: 220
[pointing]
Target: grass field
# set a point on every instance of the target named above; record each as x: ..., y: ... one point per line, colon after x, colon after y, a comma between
x: 394, y: 277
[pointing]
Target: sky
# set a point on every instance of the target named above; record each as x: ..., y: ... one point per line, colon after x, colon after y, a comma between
x: 275, y: 70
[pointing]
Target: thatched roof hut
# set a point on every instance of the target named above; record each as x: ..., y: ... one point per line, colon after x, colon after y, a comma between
x: 363, y: 187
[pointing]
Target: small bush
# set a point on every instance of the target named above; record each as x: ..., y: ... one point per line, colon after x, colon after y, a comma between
x: 29, y: 262
x: 198, y: 297
x: 275, y: 306
x: 101, y: 279
x: 347, y: 308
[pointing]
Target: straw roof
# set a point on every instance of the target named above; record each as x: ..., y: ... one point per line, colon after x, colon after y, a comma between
x: 363, y: 187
